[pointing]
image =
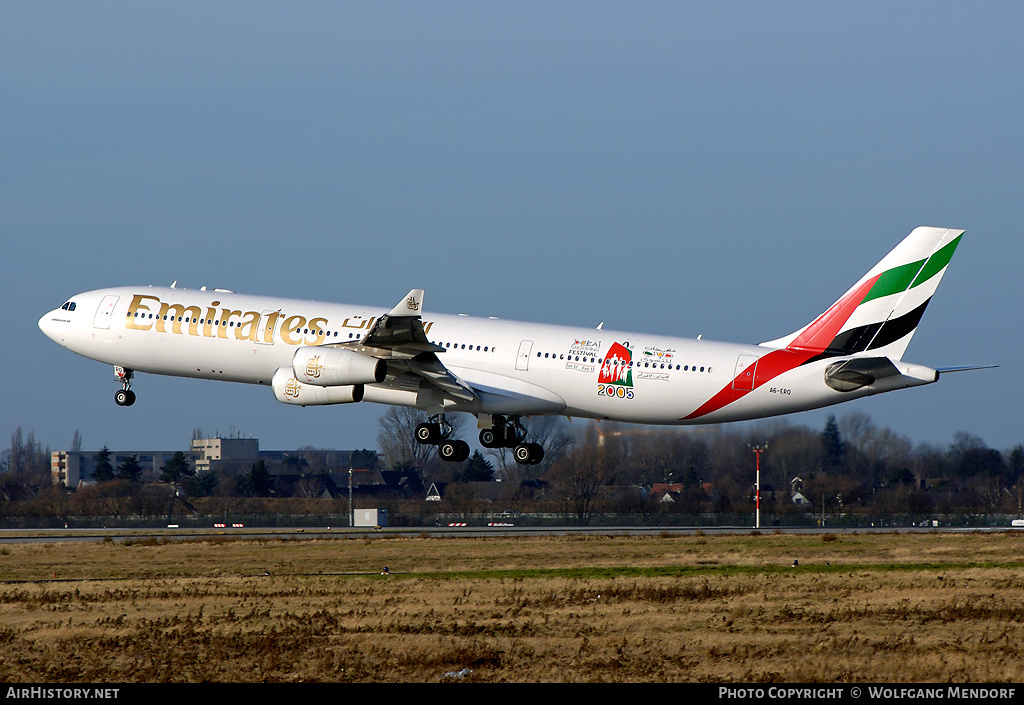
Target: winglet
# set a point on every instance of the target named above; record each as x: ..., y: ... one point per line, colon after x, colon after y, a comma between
x: 410, y: 306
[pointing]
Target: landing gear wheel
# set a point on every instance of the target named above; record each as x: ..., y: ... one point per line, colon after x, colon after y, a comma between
x: 489, y: 438
x: 537, y: 454
x: 124, y: 397
x: 528, y: 453
x: 453, y: 451
x: 503, y: 433
x: 429, y: 433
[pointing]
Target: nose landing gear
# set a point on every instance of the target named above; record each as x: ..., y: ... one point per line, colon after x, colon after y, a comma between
x: 124, y: 396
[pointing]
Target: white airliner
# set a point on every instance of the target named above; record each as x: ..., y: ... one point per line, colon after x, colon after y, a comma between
x: 314, y: 353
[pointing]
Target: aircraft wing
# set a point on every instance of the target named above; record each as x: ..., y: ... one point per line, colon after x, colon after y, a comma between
x: 399, y: 338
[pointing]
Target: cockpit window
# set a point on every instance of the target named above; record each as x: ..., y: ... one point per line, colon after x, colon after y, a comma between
x: 69, y: 306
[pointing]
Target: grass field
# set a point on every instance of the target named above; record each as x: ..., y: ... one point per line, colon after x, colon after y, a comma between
x: 858, y: 607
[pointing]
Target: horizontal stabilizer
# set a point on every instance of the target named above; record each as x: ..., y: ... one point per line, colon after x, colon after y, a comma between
x: 964, y: 368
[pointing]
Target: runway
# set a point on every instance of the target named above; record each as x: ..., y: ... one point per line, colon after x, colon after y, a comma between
x: 64, y: 535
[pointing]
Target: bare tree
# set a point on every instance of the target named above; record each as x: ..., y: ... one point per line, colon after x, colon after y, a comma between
x: 577, y: 478
x: 309, y: 487
x: 28, y: 465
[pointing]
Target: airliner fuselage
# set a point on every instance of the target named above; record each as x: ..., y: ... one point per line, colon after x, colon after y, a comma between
x: 316, y: 353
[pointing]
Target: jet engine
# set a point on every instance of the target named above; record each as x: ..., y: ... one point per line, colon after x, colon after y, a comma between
x: 331, y: 367
x: 289, y: 390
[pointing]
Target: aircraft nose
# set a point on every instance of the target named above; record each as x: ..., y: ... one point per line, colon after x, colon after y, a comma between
x: 50, y: 327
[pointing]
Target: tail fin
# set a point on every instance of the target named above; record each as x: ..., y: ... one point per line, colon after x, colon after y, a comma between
x: 881, y: 311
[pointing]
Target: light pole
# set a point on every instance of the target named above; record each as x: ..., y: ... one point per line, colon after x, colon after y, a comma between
x: 757, y: 483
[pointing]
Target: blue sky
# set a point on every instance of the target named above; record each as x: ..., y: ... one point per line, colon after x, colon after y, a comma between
x: 722, y: 169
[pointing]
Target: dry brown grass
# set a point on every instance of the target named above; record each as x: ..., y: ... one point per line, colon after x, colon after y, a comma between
x: 882, y: 608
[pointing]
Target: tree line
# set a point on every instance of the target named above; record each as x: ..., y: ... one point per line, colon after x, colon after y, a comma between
x: 850, y: 466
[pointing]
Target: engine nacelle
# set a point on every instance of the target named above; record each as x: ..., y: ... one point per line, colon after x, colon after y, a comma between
x: 333, y: 367
x: 289, y: 390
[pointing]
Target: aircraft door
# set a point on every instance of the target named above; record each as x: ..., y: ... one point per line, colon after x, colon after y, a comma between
x: 263, y: 335
x: 743, y: 379
x: 523, y: 358
x: 103, y: 312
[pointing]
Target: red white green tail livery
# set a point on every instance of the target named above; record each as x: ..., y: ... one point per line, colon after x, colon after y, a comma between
x: 314, y: 353
x: 856, y: 346
x: 881, y: 312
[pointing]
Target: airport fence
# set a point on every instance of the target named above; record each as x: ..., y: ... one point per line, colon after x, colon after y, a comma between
x: 335, y: 520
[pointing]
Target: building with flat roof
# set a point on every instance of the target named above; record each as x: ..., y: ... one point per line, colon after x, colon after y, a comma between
x: 74, y: 468
x: 210, y: 452
x: 227, y: 456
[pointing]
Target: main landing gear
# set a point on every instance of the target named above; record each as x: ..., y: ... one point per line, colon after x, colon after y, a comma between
x: 510, y: 433
x: 437, y: 432
x: 503, y: 433
x: 124, y: 396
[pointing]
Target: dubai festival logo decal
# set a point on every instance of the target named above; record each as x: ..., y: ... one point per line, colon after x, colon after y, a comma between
x: 615, y: 378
